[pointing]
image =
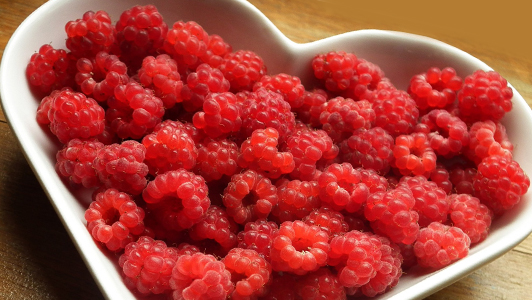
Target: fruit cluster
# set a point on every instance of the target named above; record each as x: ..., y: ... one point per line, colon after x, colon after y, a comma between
x: 213, y: 179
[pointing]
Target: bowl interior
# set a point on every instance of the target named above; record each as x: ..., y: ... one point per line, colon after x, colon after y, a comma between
x: 400, y: 55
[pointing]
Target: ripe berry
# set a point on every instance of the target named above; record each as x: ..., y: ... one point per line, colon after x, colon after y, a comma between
x: 435, y: 88
x: 413, y: 154
x: 341, y: 187
x: 309, y: 112
x: 51, y: 69
x: 91, y: 34
x: 329, y: 220
x: 258, y: 235
x: 321, y: 284
x: 220, y: 116
x: 161, y: 75
x: 369, y: 149
x: 474, y: 218
x: 488, y: 138
x: 341, y: 116
x: 243, y: 68
x: 249, y: 272
x: 395, y: 111
x: 75, y: 162
x: 288, y: 86
x: 186, y: 42
x: 217, y: 158
x: 297, y: 199
x: 200, y: 83
x: 335, y: 69
x: 216, y: 225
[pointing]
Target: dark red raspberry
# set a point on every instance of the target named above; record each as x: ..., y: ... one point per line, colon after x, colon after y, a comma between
x: 462, y: 179
x: 488, y: 138
x: 287, y: 85
x: 439, y: 245
x: 220, y: 116
x: 243, y: 68
x: 217, y: 48
x: 329, y: 220
x: 169, y: 148
x: 216, y: 225
x: 75, y: 162
x: 395, y: 111
x: 299, y: 248
x: 499, y: 183
x: 186, y: 249
x: 413, y: 154
x: 249, y: 196
x: 441, y: 177
x: 179, y: 198
x: 321, y: 284
x: 335, y: 69
x: 250, y: 273
x: 484, y: 96
x: 121, y: 166
x: 297, y: 199
x: 200, y: 276
x: 93, y: 33
x: 366, y: 79
x: 186, y: 42
x: 391, y: 213
x: 147, y: 265
x: 217, y: 158
x: 340, y: 117
x: 114, y: 219
x: 341, y: 187
x: 435, y: 88
x: 310, y: 111
x: 369, y: 149
x: 200, y: 83
x: 51, y: 69
x: 71, y: 115
x: 409, y: 256
x: 160, y: 74
x: 284, y: 284
x: 474, y: 218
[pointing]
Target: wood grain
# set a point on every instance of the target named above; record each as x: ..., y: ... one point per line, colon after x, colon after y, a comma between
x: 38, y: 259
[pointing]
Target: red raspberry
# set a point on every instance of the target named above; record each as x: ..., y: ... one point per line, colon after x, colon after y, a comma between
x: 199, y: 84
x: 179, y: 197
x: 216, y: 225
x: 71, y: 115
x: 366, y: 79
x: 249, y: 196
x: 169, y: 148
x: 310, y: 111
x: 121, y: 166
x: 439, y: 245
x: 186, y: 249
x: 435, y: 88
x: 243, y: 68
x: 217, y: 48
x: 413, y: 154
x: 51, y: 69
x: 287, y: 85
x: 341, y: 187
x: 441, y: 177
x: 299, y: 248
x: 335, y: 69
x: 297, y: 199
x: 99, y: 76
x: 321, y: 284
x: 160, y: 74
x: 329, y: 220
x: 250, y: 273
x: 91, y: 34
x: 220, y: 116
x: 197, y: 135
x: 462, y: 179
x: 258, y: 236
x: 383, y: 85
x: 392, y: 214
x: 186, y: 42
x: 484, y: 96
x: 474, y: 218
x: 217, y: 158
x: 432, y: 203
x: 200, y: 276
x: 374, y: 181
x: 395, y: 111
x: 133, y: 111
x: 499, y: 183
x: 75, y: 162
x: 341, y: 116
x: 114, y: 219
x: 147, y: 265
x: 488, y: 138
x: 369, y: 149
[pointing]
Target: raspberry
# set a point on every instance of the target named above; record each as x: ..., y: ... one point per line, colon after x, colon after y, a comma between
x: 260, y: 153
x: 462, y: 179
x: 249, y: 196
x: 441, y: 177
x: 413, y: 154
x: 121, y: 166
x: 200, y: 276
x: 341, y: 187
x: 439, y: 245
x: 194, y: 133
x: 243, y: 68
x: 499, y: 183
x: 409, y: 256
x: 99, y: 77
x: 91, y: 34
x: 161, y: 75
x: 335, y: 69
x: 321, y: 284
x: 51, y: 69
x: 395, y: 111
x: 217, y: 158
x: 435, y: 88
x: 186, y: 42
x: 297, y: 199
x: 249, y: 272
x: 179, y: 198
x: 220, y: 116
x: 75, y: 162
x: 329, y: 220
x: 186, y: 249
x: 147, y: 265
x: 341, y: 116
x: 366, y: 79
x: 169, y: 148
x: 114, y: 218
x: 380, y: 88
x: 71, y: 115
x: 432, y: 203
x: 216, y: 225
x: 299, y: 248
x: 391, y: 213
x: 369, y: 149
x: 287, y: 85
x: 467, y: 213
x: 200, y: 83
x: 309, y: 112
x: 258, y: 236
x: 488, y: 138
x: 217, y: 48
x: 484, y: 96
x: 133, y: 111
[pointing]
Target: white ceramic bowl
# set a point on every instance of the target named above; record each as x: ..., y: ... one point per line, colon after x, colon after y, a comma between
x: 400, y: 55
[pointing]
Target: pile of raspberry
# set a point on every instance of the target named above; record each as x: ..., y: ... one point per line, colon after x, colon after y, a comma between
x: 214, y: 179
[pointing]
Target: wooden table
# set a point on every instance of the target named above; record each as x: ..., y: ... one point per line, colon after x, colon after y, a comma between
x: 37, y: 257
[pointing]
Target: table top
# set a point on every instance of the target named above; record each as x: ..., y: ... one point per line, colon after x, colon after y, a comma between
x: 38, y: 259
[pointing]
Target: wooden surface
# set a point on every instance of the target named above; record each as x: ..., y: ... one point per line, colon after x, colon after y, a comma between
x: 37, y: 257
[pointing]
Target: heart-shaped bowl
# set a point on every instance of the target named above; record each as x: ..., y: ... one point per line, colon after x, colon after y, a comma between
x: 400, y: 55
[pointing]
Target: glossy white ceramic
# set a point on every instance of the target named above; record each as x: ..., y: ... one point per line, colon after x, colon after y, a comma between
x: 400, y: 55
